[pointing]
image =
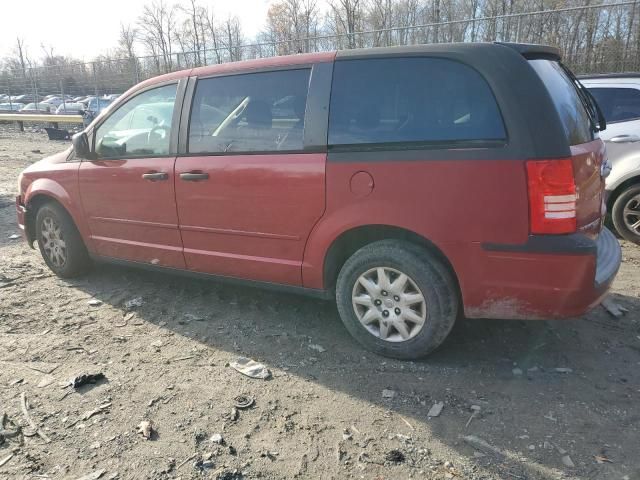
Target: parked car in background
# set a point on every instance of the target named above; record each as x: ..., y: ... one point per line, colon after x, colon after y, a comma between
x: 10, y: 107
x: 411, y: 184
x: 37, y: 108
x: 70, y: 108
x: 55, y: 101
x: 618, y: 96
x: 26, y: 98
x: 97, y: 104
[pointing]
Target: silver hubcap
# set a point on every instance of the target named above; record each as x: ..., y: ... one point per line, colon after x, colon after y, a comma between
x: 389, y: 304
x: 631, y: 214
x: 53, y: 243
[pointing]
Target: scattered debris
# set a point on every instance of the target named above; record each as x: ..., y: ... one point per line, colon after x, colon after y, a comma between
x: 482, y: 445
x: 243, y: 402
x: 41, y: 367
x: 14, y: 237
x: 517, y: 371
x: 394, y: 456
x: 100, y: 409
x: 270, y: 455
x: 32, y: 424
x: 615, y: 309
x: 93, y: 475
x: 251, y: 368
x: 85, y: 379
x: 317, y: 348
x: 217, y: 438
x: 476, y: 410
x: 133, y: 303
x: 563, y: 370
x: 602, y: 459
x: 6, y: 459
x: 406, y: 422
x: 566, y: 460
x: 45, y: 381
x: 145, y: 428
x: 94, y: 302
x: 436, y: 409
x: 388, y: 393
x: 187, y: 460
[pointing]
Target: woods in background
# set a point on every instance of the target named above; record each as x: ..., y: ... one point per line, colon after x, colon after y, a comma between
x: 593, y: 36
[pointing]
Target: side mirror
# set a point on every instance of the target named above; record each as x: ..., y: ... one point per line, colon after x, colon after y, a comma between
x: 81, y: 145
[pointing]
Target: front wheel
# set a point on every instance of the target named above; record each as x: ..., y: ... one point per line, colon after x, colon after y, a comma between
x: 626, y: 214
x: 397, y: 299
x: 60, y: 242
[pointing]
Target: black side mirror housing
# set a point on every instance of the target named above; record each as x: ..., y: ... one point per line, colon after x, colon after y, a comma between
x: 81, y: 145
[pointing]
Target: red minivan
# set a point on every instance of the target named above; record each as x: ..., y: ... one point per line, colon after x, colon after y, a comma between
x: 412, y: 184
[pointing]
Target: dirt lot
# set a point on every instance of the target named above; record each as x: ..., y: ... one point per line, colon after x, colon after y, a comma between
x: 323, y: 413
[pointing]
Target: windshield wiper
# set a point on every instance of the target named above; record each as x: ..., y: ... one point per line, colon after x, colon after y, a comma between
x: 588, y: 101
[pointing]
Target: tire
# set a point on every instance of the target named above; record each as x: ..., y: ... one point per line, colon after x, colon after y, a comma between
x: 427, y: 277
x: 627, y: 201
x: 63, y: 250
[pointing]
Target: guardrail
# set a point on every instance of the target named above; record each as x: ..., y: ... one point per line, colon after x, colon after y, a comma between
x: 53, y: 119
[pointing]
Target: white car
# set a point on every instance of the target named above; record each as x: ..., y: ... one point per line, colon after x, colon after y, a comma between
x: 618, y: 96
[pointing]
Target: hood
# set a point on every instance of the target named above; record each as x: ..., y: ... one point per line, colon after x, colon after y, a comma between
x: 59, y: 157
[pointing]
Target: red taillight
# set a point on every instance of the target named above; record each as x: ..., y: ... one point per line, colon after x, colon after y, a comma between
x: 552, y: 196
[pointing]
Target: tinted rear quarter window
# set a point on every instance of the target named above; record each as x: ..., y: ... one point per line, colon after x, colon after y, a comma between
x: 565, y: 97
x: 402, y: 102
x: 618, y: 104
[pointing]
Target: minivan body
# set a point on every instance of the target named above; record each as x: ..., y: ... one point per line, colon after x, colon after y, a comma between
x: 413, y: 184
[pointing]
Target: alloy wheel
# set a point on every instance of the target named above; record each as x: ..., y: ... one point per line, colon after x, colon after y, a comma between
x: 631, y: 214
x: 53, y: 242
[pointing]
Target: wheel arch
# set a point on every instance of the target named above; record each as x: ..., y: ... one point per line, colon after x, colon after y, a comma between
x: 350, y: 241
x: 34, y: 202
x: 616, y: 192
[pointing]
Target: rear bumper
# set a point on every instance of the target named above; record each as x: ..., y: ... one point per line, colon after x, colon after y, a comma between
x: 549, y: 277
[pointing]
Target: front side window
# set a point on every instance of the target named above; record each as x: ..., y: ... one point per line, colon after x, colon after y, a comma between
x: 139, y: 128
x: 411, y: 101
x: 618, y: 104
x: 256, y: 112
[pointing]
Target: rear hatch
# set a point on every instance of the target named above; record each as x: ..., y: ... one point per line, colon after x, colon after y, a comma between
x: 582, y: 120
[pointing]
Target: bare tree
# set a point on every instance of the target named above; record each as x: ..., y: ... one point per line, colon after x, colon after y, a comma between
x: 157, y: 25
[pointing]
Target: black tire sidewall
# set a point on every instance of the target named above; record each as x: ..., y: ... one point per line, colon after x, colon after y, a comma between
x: 77, y: 257
x: 617, y: 214
x: 429, y: 274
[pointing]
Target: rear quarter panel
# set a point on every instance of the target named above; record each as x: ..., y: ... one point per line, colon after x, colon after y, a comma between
x: 457, y: 205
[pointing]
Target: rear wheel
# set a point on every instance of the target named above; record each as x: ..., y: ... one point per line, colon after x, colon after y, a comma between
x: 397, y: 299
x: 626, y: 214
x: 60, y: 242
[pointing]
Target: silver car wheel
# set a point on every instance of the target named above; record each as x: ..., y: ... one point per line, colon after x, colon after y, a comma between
x: 53, y: 242
x: 631, y: 214
x: 389, y: 304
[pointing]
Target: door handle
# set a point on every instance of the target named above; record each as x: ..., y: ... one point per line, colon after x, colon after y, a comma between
x: 194, y: 176
x: 625, y: 139
x: 155, y: 176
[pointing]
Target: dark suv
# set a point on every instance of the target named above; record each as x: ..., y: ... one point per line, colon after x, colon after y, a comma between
x: 414, y: 184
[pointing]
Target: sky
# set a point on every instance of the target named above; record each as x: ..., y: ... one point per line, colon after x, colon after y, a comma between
x: 86, y: 28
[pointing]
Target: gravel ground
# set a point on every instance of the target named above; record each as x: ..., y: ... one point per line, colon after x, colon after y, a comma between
x: 330, y: 410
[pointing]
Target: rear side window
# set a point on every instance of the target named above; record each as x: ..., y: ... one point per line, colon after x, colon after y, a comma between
x: 565, y: 97
x: 411, y: 101
x: 618, y: 104
x: 257, y: 112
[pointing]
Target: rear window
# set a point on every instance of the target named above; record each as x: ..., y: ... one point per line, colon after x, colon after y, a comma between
x: 405, y: 101
x: 565, y: 97
x: 618, y: 104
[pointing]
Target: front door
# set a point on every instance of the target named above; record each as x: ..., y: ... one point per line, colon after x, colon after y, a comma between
x: 128, y: 192
x: 248, y: 194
